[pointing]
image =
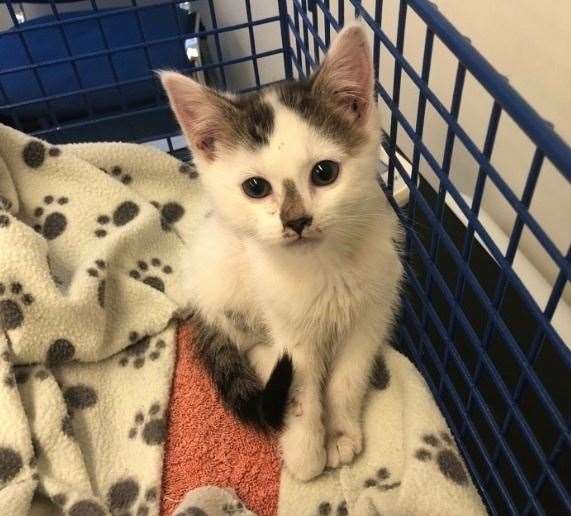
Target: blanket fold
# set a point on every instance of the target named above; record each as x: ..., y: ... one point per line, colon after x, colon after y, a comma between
x: 92, y: 274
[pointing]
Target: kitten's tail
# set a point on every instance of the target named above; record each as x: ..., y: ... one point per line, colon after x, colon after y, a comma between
x: 261, y: 406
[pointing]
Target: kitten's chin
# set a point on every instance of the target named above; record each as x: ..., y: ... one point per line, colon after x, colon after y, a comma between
x: 304, y: 243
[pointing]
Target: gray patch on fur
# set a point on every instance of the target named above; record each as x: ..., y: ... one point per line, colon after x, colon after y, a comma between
x: 321, y: 113
x: 292, y: 205
x: 239, y: 320
x: 253, y: 122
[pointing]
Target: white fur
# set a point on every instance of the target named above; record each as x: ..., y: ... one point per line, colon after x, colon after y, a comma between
x: 329, y: 303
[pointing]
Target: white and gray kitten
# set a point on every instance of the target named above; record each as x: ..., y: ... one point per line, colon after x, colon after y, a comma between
x: 296, y: 262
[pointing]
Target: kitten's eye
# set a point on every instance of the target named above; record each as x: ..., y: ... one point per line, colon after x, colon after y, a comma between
x: 324, y: 172
x: 256, y: 187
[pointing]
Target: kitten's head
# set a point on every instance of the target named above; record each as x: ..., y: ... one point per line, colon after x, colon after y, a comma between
x: 293, y: 165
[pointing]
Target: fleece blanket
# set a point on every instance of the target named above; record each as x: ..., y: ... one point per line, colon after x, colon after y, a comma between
x: 93, y: 246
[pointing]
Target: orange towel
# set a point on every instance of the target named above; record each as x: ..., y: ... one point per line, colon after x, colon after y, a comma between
x: 206, y: 445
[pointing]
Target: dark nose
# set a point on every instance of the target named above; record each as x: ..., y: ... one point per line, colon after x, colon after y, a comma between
x: 298, y: 224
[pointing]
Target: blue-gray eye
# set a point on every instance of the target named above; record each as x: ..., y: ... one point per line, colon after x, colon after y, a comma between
x: 324, y: 172
x: 256, y: 187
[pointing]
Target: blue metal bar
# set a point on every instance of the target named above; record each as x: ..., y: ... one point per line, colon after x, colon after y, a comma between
x: 471, y: 147
x: 135, y: 46
x: 143, y: 79
x: 511, y: 101
x: 298, y: 42
x: 486, y: 304
x: 417, y: 358
x: 315, y: 25
x: 510, y: 255
x: 29, y: 56
x: 217, y: 42
x: 534, y: 351
x: 487, y: 240
x: 396, y: 92
x: 252, y: 43
x: 462, y: 368
x: 476, y: 203
x: 73, y: 62
x: 555, y: 452
x: 284, y: 16
x: 420, y: 113
x: 327, y: 23
x: 376, y: 40
x: 148, y: 60
x: 305, y: 36
x: 150, y: 110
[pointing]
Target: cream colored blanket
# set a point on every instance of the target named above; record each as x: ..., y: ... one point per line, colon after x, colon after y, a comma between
x: 92, y: 278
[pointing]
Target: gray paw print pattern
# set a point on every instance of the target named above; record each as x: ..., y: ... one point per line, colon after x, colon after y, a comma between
x: 326, y: 508
x: 34, y: 153
x: 51, y: 222
x: 79, y: 508
x: 118, y: 173
x: 14, y: 301
x: 151, y: 428
x: 170, y: 212
x: 98, y: 271
x: 381, y: 480
x: 121, y: 216
x: 79, y: 397
x: 5, y: 205
x: 188, y: 170
x: 11, y: 464
x: 152, y: 273
x: 441, y: 450
x: 126, y: 497
x: 140, y: 351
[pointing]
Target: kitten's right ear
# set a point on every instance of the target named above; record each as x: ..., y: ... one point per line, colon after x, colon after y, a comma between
x: 201, y: 113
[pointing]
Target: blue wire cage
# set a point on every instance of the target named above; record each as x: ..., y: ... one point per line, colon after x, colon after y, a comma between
x: 487, y: 347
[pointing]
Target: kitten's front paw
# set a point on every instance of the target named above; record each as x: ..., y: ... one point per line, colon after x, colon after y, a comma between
x: 304, y: 451
x: 343, y: 447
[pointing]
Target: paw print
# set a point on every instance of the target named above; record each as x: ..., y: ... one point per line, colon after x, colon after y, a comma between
x: 381, y: 480
x: 51, y: 223
x: 150, y: 275
x: 137, y: 351
x: 98, y: 271
x: 122, y: 214
x: 13, y: 301
x: 441, y: 450
x: 126, y: 493
x: 325, y: 508
x: 189, y: 170
x: 34, y: 153
x: 171, y: 213
x: 152, y: 428
x: 117, y: 172
x: 5, y: 205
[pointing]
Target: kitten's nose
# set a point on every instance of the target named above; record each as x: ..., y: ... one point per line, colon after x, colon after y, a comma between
x: 298, y: 224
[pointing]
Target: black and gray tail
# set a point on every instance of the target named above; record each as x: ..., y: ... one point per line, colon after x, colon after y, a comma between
x: 242, y: 392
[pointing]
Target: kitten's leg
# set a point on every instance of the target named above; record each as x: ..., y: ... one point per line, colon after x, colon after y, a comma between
x: 348, y: 384
x: 303, y: 438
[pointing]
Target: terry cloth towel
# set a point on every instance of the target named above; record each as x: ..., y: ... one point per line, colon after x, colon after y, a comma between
x: 91, y: 277
x: 409, y: 465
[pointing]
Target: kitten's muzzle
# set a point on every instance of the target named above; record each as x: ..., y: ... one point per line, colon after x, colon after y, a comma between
x: 298, y: 225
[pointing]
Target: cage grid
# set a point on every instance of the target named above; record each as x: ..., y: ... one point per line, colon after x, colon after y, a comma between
x: 487, y: 347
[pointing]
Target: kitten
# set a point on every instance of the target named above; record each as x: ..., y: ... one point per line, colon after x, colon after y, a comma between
x: 296, y: 263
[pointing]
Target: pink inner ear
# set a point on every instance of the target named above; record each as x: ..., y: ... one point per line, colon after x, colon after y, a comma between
x: 198, y: 111
x: 347, y: 71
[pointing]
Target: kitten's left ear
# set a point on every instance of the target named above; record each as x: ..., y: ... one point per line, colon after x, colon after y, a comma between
x: 346, y: 74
